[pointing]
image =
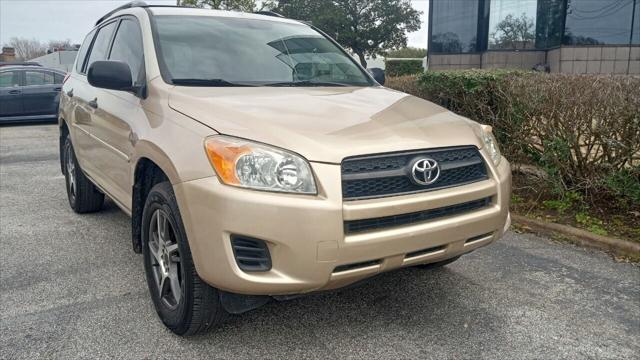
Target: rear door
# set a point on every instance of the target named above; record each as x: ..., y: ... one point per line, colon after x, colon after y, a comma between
x: 41, y: 93
x: 86, y: 105
x: 74, y: 107
x: 11, y: 93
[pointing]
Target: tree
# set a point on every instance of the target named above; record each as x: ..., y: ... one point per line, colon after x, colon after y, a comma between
x: 60, y: 44
x: 27, y: 49
x: 367, y: 27
x: 513, y: 32
x: 238, y: 5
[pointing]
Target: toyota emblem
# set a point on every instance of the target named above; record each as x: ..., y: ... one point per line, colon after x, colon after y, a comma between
x: 425, y: 171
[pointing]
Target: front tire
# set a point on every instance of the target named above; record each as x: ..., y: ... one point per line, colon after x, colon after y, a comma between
x: 184, y: 303
x: 83, y: 196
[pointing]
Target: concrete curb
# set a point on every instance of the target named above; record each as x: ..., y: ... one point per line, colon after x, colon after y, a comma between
x: 583, y: 237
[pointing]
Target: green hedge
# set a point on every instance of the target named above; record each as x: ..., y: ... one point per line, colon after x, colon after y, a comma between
x: 408, y: 52
x: 582, y: 130
x: 395, y: 67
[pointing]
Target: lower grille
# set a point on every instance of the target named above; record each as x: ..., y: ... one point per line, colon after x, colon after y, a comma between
x: 252, y: 255
x: 356, y: 226
x: 361, y: 265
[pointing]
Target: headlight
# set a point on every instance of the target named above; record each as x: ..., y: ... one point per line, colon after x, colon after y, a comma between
x: 251, y: 165
x: 491, y: 144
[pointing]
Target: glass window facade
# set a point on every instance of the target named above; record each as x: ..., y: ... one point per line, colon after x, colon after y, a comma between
x: 461, y: 26
x: 598, y: 22
x: 512, y: 24
x: 454, y: 26
x: 549, y: 23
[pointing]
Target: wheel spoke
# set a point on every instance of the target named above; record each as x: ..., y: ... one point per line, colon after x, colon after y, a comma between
x: 176, y: 290
x: 159, y: 226
x: 71, y: 171
x: 163, y: 224
x: 157, y: 276
x: 162, y: 285
x: 154, y: 248
x: 173, y: 248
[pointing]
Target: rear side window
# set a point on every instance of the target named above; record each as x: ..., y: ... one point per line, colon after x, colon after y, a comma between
x: 34, y: 78
x: 127, y: 47
x: 82, y: 53
x: 9, y: 79
x: 100, y: 48
x: 58, y: 78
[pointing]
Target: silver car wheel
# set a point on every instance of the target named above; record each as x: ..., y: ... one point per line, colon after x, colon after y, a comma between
x: 71, y: 173
x: 165, y: 259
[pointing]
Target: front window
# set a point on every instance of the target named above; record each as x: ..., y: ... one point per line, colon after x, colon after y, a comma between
x: 221, y: 51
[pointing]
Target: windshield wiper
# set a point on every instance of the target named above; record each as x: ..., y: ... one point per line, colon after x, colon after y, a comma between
x: 208, y: 82
x: 306, y: 83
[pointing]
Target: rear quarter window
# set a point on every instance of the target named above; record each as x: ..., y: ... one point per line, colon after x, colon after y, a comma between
x: 58, y: 78
x: 35, y: 78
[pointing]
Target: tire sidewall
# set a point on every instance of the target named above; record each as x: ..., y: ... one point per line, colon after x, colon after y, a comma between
x: 162, y: 197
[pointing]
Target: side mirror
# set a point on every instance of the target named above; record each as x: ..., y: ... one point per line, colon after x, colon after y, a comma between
x: 112, y: 75
x: 378, y: 75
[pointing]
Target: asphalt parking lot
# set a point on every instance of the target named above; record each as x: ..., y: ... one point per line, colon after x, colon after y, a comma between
x: 71, y: 287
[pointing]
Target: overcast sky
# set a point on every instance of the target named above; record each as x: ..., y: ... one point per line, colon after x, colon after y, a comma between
x: 72, y: 19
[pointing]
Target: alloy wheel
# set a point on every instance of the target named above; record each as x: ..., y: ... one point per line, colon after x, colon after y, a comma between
x: 165, y: 259
x: 71, y: 173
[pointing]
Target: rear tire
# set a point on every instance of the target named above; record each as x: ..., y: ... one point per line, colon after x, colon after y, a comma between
x: 83, y: 196
x: 439, y: 264
x: 184, y: 303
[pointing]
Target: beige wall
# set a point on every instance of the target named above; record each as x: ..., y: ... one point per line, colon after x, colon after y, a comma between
x: 457, y: 61
x: 600, y: 60
x: 512, y: 59
x: 567, y: 59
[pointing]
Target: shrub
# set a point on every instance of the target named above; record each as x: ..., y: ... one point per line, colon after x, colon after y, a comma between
x: 407, y: 84
x: 396, y: 67
x: 584, y: 131
x: 408, y: 52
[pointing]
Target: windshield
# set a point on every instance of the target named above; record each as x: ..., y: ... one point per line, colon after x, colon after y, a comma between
x: 221, y: 51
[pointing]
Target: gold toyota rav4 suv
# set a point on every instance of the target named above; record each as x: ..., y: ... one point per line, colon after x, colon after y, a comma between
x: 258, y: 160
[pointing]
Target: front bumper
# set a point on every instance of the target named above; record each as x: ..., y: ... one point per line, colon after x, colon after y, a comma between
x: 306, y: 237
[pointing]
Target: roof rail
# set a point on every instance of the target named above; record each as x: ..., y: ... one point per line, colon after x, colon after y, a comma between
x: 130, y: 5
x: 269, y: 13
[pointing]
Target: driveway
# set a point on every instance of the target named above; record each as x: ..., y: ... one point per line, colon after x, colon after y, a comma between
x: 71, y: 287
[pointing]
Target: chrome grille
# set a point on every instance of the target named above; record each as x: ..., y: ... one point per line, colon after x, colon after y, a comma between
x: 382, y: 175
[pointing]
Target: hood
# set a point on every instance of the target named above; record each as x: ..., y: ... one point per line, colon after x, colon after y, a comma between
x: 326, y: 124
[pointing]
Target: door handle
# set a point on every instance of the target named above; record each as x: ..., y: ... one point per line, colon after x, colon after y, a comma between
x: 57, y: 89
x: 94, y: 103
x: 70, y: 93
x: 14, y: 92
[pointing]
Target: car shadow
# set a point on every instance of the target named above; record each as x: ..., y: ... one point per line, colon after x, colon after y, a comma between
x: 418, y: 303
